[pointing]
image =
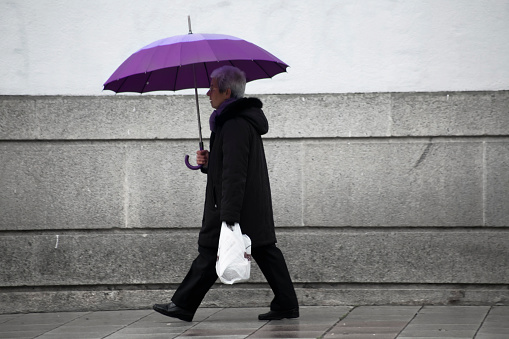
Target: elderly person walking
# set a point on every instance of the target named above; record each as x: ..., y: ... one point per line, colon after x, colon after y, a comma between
x: 238, y: 190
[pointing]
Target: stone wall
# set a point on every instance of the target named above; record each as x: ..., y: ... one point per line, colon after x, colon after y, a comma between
x: 379, y: 198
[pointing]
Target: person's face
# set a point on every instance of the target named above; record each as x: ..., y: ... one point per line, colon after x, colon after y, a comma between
x: 217, y: 98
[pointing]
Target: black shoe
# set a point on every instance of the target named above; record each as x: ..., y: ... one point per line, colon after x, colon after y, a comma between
x: 278, y: 315
x: 172, y: 310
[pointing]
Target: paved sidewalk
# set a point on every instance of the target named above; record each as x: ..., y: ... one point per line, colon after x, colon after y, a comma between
x: 443, y: 322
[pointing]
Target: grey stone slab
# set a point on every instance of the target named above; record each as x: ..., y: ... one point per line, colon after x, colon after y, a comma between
x: 18, y: 119
x: 61, y: 185
x: 328, y: 115
x: 161, y: 191
x: 450, y: 113
x: 291, y: 116
x: 165, y: 257
x: 499, y: 113
x: 389, y: 256
x: 359, y: 183
x: 120, y: 117
x: 284, y: 163
x: 497, y: 181
x: 87, y: 259
x: 140, y: 117
x: 99, y: 185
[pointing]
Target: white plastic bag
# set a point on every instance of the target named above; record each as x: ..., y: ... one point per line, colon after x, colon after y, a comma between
x: 233, y: 263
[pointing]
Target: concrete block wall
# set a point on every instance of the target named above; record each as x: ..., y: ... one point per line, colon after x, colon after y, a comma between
x: 379, y: 198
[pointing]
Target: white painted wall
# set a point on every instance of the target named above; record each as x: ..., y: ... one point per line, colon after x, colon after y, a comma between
x: 52, y: 47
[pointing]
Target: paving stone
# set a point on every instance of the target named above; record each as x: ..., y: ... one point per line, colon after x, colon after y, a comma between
x: 373, y: 321
x: 45, y: 318
x: 440, y: 333
x: 314, y: 322
x: 286, y: 334
x: 19, y: 334
x: 74, y: 336
x: 446, y: 322
x: 140, y: 336
x: 361, y: 335
x: 8, y: 317
x: 91, y: 329
x: 496, y: 324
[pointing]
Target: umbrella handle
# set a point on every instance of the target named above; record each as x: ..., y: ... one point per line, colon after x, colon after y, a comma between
x: 186, y: 159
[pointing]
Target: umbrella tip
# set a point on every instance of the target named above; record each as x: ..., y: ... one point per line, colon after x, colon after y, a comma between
x: 189, y: 24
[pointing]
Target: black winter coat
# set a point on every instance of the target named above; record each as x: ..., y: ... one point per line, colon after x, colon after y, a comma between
x: 238, y: 188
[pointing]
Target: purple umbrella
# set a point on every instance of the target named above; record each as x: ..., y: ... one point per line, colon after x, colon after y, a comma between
x: 186, y: 61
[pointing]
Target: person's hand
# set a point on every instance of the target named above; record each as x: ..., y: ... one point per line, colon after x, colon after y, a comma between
x: 202, y: 157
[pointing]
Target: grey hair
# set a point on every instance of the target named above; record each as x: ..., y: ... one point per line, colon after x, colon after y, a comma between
x: 232, y: 78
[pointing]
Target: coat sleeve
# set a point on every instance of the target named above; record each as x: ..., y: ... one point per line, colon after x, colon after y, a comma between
x: 235, y: 148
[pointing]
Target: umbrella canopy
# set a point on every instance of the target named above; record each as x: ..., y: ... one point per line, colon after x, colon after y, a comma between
x: 186, y: 61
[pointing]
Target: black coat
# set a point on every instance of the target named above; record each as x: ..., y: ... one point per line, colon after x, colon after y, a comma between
x: 238, y: 188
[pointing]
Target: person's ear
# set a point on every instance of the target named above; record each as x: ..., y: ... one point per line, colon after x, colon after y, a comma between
x: 229, y: 93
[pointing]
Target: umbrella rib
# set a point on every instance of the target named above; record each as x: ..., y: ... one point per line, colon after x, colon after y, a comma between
x: 176, y: 77
x: 122, y: 84
x: 146, y: 82
x: 279, y: 65
x: 207, y: 73
x: 257, y: 64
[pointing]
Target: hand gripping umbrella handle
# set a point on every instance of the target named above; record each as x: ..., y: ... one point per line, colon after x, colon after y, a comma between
x: 197, y: 167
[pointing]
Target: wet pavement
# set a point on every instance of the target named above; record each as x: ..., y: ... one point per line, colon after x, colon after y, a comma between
x: 480, y: 322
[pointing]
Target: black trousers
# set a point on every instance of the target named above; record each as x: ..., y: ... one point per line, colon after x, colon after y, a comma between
x: 202, y: 275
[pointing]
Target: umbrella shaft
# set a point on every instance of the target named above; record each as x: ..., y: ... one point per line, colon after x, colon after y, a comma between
x: 198, y: 112
x: 197, y: 106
